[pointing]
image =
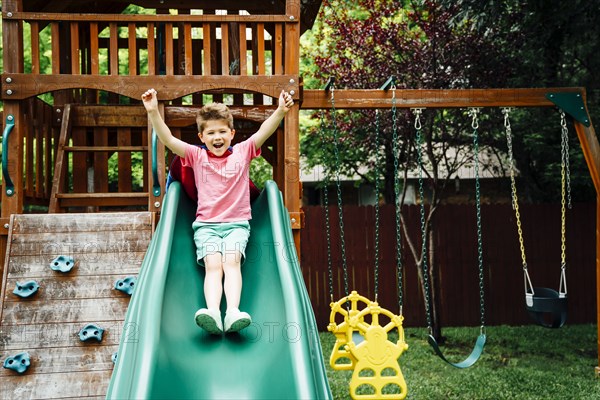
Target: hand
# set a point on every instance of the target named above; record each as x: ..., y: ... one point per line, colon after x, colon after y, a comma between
x: 150, y: 99
x: 285, y: 101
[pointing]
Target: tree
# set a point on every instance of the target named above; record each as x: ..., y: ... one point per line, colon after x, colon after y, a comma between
x: 557, y: 47
x: 363, y: 43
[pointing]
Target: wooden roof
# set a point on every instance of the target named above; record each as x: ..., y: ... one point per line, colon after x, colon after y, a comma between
x: 309, y: 8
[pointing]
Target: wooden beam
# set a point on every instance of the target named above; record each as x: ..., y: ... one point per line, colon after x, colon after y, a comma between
x: 169, y: 87
x: 431, y: 98
x: 182, y: 116
x: 145, y: 18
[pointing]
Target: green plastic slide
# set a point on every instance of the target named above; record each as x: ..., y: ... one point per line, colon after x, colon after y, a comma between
x: 164, y: 355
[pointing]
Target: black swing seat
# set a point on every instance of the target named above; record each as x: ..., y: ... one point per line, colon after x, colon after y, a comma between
x: 547, y: 307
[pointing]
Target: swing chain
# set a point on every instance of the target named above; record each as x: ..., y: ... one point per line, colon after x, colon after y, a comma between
x: 565, y: 181
x: 475, y: 125
x: 327, y: 224
x: 336, y: 152
x: 418, y: 140
x: 565, y: 155
x: 513, y: 186
x: 397, y: 204
x: 377, y: 131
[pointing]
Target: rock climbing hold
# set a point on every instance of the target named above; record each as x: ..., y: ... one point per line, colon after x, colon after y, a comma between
x: 19, y: 362
x: 62, y: 263
x: 26, y: 289
x: 91, y: 331
x: 126, y: 285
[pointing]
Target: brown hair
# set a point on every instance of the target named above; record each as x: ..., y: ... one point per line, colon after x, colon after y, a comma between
x: 212, y: 112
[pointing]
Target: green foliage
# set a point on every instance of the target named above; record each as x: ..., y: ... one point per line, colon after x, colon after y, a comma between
x: 260, y: 172
x: 361, y: 44
x: 526, y: 362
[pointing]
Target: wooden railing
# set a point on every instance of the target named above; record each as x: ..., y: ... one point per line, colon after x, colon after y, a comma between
x: 126, y: 54
x: 39, y: 150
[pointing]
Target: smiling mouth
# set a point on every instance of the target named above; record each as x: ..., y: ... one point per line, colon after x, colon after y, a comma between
x: 218, y: 145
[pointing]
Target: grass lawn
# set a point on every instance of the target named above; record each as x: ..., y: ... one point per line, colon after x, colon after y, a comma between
x: 525, y: 362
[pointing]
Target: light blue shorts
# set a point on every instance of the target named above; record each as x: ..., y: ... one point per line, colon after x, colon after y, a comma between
x: 221, y: 237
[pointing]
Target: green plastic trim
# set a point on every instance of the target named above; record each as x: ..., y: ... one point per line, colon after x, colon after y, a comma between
x: 391, y: 82
x: 8, y: 183
x: 155, y: 182
x: 572, y: 104
x: 163, y: 354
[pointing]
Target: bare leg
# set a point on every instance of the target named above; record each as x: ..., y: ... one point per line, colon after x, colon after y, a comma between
x: 213, y: 282
x: 233, y: 279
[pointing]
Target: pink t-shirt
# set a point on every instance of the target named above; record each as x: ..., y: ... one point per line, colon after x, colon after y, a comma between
x: 222, y: 182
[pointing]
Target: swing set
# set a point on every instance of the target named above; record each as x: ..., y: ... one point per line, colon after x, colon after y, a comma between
x: 362, y: 327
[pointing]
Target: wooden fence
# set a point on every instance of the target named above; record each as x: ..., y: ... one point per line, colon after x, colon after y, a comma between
x: 456, y: 258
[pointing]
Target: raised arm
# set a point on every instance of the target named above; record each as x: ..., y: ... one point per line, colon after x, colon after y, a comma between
x: 162, y: 130
x: 270, y: 125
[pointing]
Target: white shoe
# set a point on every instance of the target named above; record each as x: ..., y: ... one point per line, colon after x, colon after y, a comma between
x: 209, y: 320
x: 236, y: 320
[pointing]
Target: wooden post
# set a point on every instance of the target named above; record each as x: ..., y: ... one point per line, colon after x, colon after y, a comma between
x: 12, y: 39
x: 591, y: 151
x: 12, y: 34
x: 291, y: 164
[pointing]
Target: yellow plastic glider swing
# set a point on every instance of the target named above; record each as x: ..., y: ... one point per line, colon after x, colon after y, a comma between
x: 364, y: 346
x: 373, y: 355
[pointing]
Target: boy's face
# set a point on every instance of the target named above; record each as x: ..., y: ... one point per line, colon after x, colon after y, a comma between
x: 217, y: 136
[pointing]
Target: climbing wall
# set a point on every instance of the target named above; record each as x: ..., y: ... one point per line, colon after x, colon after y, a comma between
x: 56, y: 328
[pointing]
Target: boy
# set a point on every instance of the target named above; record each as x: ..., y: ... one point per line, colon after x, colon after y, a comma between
x: 221, y: 228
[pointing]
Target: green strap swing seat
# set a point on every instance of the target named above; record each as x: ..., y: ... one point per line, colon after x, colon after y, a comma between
x: 477, y: 350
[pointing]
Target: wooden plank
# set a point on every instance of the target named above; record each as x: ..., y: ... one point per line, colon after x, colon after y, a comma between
x: 122, y: 260
x: 61, y: 162
x: 278, y: 50
x: 66, y: 287
x: 79, y: 222
x: 260, y: 53
x: 94, y: 50
x: 178, y: 116
x: 75, y: 360
x: 187, y: 37
x: 151, y: 49
x: 591, y: 151
x: 124, y: 159
x: 79, y: 169
x: 58, y: 243
x: 154, y: 18
x: 55, y: 32
x: 108, y: 116
x: 432, y: 98
x: 37, y: 312
x: 119, y: 149
x: 207, y: 51
x: 75, y: 63
x: 41, y: 336
x: 170, y: 70
x: 113, y: 51
x: 100, y: 161
x: 224, y: 49
x: 243, y: 50
x: 40, y: 133
x: 58, y: 385
x: 35, y: 47
x: 28, y: 129
x: 133, y: 51
x: 168, y: 87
